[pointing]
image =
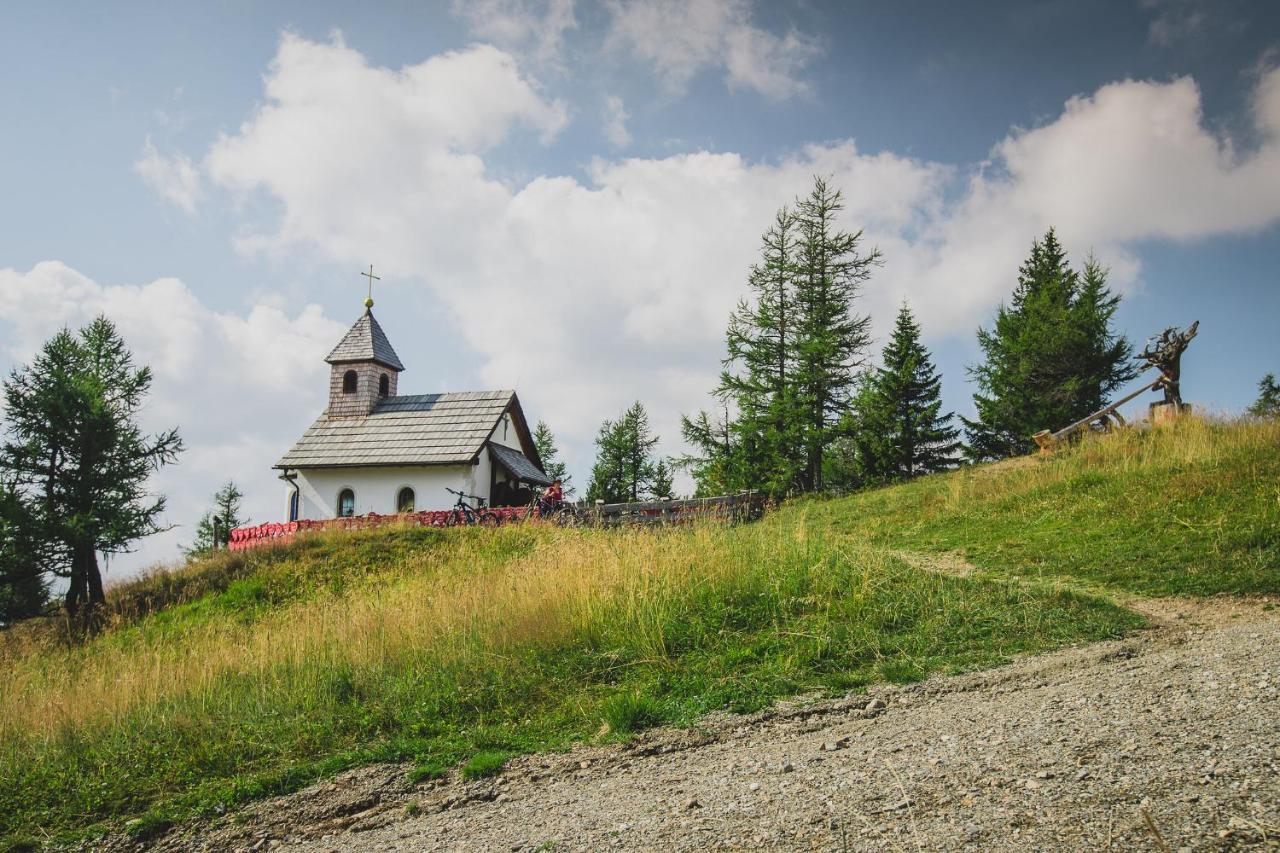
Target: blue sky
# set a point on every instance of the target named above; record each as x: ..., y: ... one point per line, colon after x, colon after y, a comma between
x: 564, y: 197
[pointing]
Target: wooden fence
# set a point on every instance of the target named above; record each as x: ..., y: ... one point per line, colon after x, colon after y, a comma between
x: 745, y: 506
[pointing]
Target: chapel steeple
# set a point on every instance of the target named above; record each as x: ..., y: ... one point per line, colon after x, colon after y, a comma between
x: 364, y: 367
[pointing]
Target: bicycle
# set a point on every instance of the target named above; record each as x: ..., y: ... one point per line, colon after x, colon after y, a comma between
x: 463, y: 514
x: 563, y: 514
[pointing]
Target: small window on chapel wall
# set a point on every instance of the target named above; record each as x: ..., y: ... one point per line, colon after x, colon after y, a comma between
x: 349, y: 382
x: 384, y: 385
x: 346, y: 503
x: 404, y: 500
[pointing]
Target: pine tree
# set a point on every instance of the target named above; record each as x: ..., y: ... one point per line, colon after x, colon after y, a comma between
x: 1051, y: 356
x: 23, y: 590
x: 77, y: 456
x: 1268, y: 403
x: 899, y: 431
x: 624, y: 465
x: 545, y: 441
x: 831, y: 340
x: 226, y: 507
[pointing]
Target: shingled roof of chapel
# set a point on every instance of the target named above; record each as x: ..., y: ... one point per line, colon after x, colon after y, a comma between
x: 365, y: 342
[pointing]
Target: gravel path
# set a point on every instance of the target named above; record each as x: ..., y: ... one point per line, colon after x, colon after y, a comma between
x: 1169, y: 739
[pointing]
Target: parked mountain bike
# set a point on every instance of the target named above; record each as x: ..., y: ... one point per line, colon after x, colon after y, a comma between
x: 464, y: 514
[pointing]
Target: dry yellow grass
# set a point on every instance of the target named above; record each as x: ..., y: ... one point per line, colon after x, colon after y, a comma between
x: 458, y: 605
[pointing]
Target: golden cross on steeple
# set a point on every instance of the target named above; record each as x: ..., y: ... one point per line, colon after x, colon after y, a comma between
x: 368, y: 300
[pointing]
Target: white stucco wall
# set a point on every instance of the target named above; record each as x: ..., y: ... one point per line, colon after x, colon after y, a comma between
x: 376, y: 488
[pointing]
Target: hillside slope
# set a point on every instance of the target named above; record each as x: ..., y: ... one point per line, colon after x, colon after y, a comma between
x: 444, y: 648
x: 1087, y: 748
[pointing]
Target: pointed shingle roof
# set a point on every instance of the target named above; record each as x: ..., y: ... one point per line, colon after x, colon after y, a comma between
x: 366, y: 342
x: 423, y: 429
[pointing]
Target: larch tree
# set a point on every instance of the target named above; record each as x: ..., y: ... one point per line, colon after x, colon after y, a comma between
x: 794, y: 346
x: 1050, y: 358
x: 758, y: 378
x: 545, y: 442
x: 77, y: 455
x: 831, y: 339
x: 900, y: 431
x: 713, y: 461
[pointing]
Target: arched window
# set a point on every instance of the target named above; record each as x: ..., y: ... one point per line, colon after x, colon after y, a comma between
x: 404, y: 500
x: 384, y: 385
x: 293, y: 506
x: 346, y: 503
x: 349, y: 382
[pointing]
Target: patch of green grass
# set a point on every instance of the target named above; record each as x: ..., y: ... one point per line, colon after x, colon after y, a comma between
x: 1192, y: 509
x: 297, y: 663
x: 901, y: 671
x: 427, y: 772
x: 777, y: 609
x: 150, y: 825
x: 487, y: 762
x: 627, y: 713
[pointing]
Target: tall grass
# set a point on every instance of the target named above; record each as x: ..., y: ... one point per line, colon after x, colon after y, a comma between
x: 473, y: 641
x: 1188, y: 509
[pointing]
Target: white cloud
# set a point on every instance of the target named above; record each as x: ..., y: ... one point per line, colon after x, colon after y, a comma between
x: 1132, y: 162
x: 239, y: 387
x: 620, y: 282
x: 625, y: 280
x: 534, y: 27
x: 615, y: 122
x: 175, y: 179
x: 338, y: 139
x: 681, y: 38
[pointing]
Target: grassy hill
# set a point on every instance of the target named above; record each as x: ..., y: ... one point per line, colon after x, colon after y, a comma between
x: 243, y: 675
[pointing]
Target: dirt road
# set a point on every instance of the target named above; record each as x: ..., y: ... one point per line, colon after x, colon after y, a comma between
x: 1169, y: 739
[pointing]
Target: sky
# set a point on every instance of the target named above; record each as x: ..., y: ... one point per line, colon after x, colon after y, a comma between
x: 564, y: 197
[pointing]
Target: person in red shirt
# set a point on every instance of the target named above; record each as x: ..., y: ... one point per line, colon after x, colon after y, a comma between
x: 551, y: 498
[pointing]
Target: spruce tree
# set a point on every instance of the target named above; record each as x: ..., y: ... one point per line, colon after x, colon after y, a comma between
x: 831, y: 340
x: 1268, y: 403
x: 226, y: 507
x: 624, y: 465
x: 662, y: 483
x: 899, y: 430
x: 1050, y: 358
x: 545, y: 441
x: 76, y: 454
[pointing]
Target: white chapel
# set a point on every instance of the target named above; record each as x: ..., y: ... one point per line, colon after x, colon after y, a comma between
x: 374, y: 450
